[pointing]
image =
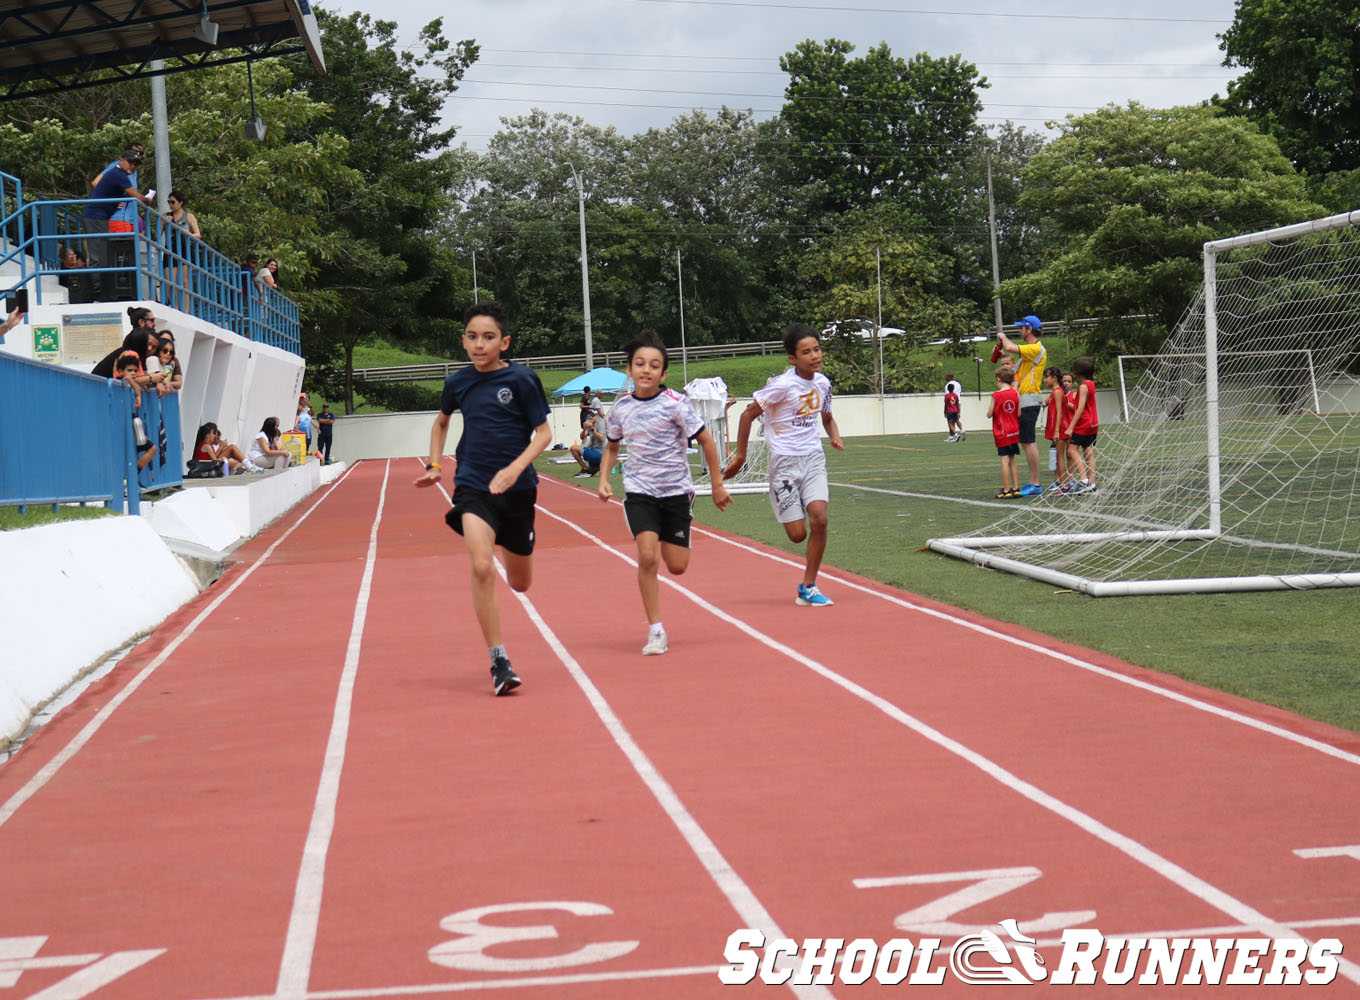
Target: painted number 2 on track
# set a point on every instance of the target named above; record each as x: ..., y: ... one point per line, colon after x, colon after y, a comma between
x: 19, y: 955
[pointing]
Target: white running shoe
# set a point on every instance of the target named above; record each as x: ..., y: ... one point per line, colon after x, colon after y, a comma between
x: 656, y: 644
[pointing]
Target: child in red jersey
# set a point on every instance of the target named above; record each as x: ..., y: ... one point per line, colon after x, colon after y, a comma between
x: 1004, y: 411
x: 1083, y: 426
x: 1057, y: 444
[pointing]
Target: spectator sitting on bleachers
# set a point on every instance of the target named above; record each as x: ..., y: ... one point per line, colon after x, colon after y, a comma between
x: 141, y: 339
x: 265, y: 451
x: 209, y: 447
x: 72, y: 278
x: 166, y: 361
x: 129, y: 369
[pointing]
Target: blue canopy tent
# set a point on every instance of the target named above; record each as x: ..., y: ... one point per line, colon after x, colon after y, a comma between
x: 599, y: 380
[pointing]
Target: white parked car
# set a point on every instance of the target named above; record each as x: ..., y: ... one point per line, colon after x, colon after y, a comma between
x: 861, y: 327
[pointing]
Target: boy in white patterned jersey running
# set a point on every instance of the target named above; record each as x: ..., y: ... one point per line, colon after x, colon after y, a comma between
x: 657, y: 424
x: 792, y: 404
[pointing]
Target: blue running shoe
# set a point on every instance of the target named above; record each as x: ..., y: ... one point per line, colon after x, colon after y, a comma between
x: 811, y: 597
x: 1031, y: 490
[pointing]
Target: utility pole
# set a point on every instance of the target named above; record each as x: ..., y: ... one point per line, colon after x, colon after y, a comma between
x: 991, y: 220
x: 684, y: 355
x: 585, y: 272
x: 474, y: 275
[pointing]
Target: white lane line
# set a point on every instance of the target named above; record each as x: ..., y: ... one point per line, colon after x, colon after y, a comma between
x: 78, y: 742
x: 295, y: 969
x: 1135, y: 682
x: 1220, y: 900
x: 477, y: 985
x: 751, y: 911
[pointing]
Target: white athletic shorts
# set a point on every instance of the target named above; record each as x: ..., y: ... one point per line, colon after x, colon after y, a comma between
x: 795, y: 482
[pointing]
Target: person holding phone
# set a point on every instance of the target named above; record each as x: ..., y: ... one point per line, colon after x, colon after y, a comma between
x: 16, y: 315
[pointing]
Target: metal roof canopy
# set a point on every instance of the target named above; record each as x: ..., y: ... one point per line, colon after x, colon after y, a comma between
x: 55, y: 45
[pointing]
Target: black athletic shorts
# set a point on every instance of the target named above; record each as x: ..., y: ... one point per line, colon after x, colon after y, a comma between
x: 669, y: 517
x: 1029, y: 419
x: 1085, y: 440
x: 1007, y: 449
x: 511, y: 515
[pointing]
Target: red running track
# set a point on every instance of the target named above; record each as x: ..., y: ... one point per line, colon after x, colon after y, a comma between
x: 301, y: 786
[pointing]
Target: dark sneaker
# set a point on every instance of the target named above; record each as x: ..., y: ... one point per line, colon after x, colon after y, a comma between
x: 582, y: 474
x: 503, y: 677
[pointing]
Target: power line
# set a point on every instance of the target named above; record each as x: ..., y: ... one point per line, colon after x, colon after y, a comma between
x: 769, y: 97
x: 690, y: 57
x: 947, y: 13
x: 775, y: 72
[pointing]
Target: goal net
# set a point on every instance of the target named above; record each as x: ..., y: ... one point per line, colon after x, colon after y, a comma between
x: 709, y: 396
x: 1232, y: 458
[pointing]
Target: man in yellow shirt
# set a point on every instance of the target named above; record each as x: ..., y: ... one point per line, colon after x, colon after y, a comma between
x: 1029, y: 382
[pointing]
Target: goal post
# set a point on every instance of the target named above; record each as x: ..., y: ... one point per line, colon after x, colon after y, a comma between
x: 1235, y: 462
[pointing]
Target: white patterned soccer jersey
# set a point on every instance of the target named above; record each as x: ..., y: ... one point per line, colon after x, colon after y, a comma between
x: 657, y: 431
x: 793, y: 408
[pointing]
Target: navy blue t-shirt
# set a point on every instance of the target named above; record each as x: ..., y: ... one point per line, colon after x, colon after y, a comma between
x: 112, y: 184
x: 500, y: 411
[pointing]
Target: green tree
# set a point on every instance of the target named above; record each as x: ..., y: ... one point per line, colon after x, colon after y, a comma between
x: 1017, y: 231
x: 879, y: 125
x: 1302, y: 79
x: 842, y: 276
x: 1127, y: 197
x: 396, y: 278
x: 263, y: 196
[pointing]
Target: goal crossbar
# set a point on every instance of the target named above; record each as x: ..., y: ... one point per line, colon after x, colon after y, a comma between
x: 1238, y: 475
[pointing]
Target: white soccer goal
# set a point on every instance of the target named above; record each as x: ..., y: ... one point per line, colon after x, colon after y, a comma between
x: 1237, y: 463
x: 710, y: 398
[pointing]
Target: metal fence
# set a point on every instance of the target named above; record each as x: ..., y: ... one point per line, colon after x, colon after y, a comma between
x: 68, y: 438
x: 602, y: 359
x: 157, y: 261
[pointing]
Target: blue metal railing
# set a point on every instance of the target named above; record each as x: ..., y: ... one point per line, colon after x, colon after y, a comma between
x: 68, y: 438
x: 158, y: 261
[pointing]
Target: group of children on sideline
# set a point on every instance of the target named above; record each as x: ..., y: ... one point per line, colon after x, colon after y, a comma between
x: 1072, y: 426
x: 505, y: 428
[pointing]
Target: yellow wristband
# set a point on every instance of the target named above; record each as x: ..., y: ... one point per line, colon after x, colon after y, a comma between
x: 434, y: 465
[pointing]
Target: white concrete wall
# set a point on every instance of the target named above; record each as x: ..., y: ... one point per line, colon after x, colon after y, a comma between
x: 228, y: 379
x: 87, y: 588
x: 399, y: 435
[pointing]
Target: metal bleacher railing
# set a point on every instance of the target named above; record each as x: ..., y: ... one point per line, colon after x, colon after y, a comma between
x: 68, y: 438
x: 547, y: 362
x: 157, y: 261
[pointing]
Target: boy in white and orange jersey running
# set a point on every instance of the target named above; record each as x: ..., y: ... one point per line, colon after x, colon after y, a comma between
x: 793, y: 403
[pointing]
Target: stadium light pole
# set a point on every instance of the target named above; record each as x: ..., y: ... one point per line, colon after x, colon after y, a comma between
x: 585, y: 272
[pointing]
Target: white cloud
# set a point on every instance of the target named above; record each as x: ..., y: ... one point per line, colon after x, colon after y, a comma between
x: 647, y: 62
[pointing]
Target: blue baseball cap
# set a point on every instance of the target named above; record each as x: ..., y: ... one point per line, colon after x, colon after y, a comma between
x: 1031, y: 321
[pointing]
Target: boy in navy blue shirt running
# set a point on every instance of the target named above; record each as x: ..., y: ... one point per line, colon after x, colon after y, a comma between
x: 505, y: 427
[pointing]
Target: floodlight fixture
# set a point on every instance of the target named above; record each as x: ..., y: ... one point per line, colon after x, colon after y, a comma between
x: 206, y: 29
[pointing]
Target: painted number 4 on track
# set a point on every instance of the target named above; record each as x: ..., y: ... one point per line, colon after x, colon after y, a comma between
x: 23, y: 965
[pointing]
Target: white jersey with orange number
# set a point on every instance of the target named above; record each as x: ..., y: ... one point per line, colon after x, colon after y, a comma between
x: 793, y: 408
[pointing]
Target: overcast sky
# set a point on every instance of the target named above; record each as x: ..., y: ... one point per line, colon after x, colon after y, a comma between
x: 635, y: 64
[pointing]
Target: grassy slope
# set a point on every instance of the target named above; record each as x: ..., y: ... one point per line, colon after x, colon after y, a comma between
x: 1293, y: 650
